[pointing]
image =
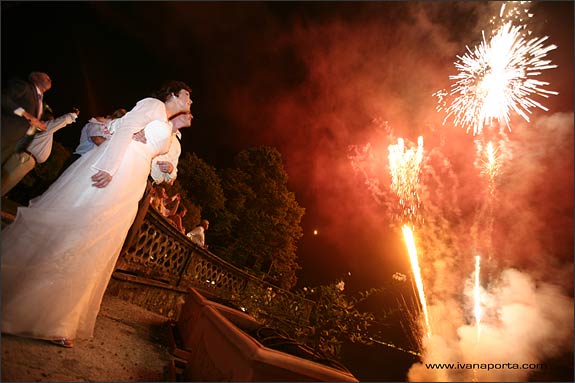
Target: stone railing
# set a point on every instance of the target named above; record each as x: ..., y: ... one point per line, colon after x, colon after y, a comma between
x: 162, y: 256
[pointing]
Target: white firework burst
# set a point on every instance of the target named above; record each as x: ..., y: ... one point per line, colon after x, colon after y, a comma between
x: 497, y: 77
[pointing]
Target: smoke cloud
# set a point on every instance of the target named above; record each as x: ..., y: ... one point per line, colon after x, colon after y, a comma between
x: 525, y: 323
x: 525, y: 238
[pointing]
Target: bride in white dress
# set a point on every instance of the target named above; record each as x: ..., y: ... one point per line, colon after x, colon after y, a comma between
x: 59, y: 253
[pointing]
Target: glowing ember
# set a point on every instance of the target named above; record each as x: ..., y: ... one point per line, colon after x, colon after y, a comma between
x: 498, y: 77
x: 502, y: 9
x: 315, y: 232
x: 410, y: 242
x: 476, y: 297
x: 405, y: 167
x: 516, y: 12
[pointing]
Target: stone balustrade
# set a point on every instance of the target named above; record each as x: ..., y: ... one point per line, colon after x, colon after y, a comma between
x: 162, y: 264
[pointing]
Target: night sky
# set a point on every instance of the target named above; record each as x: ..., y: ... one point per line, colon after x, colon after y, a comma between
x: 315, y: 80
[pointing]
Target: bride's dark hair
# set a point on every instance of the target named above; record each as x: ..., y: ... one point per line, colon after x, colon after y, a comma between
x: 169, y: 88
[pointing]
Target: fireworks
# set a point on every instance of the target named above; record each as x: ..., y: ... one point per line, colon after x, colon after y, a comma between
x: 491, y: 165
x: 512, y: 11
x: 405, y: 167
x: 476, y: 296
x: 418, y: 354
x: 412, y: 323
x: 497, y: 77
x: 489, y: 162
x: 410, y: 242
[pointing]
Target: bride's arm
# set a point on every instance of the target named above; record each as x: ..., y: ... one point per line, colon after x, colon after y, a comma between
x: 107, y: 164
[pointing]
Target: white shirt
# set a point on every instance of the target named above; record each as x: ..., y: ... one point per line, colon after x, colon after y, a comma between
x: 145, y: 112
x: 40, y: 98
x: 197, y: 235
x: 172, y: 156
x: 94, y: 127
x: 41, y: 145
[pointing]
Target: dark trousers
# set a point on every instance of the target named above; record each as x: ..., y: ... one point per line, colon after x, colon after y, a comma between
x: 69, y: 162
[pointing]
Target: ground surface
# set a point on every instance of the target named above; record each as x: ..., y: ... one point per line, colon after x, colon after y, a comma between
x: 129, y: 344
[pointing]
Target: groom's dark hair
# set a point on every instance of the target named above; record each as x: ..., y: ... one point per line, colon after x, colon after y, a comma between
x: 169, y: 88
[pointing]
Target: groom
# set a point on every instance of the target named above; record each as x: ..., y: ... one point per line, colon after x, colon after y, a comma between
x: 21, y: 110
x: 164, y: 169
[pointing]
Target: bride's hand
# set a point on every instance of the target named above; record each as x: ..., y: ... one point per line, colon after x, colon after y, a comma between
x: 140, y: 136
x: 101, y: 179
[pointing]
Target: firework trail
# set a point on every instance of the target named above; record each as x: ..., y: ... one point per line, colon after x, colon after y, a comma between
x: 477, y: 296
x: 395, y: 347
x: 410, y: 242
x: 495, y: 78
x: 405, y: 169
x: 490, y: 164
x: 489, y: 161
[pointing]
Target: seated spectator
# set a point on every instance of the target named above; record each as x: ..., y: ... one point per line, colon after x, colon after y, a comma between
x: 159, y: 195
x: 197, y: 234
x: 177, y: 219
x: 169, y: 205
x: 155, y: 199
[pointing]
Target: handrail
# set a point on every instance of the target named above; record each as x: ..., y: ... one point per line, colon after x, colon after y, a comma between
x: 161, y: 253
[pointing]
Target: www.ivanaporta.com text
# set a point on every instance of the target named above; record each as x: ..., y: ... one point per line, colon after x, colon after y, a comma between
x: 486, y: 366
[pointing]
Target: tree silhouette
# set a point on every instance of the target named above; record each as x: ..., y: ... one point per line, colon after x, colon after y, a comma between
x: 264, y: 216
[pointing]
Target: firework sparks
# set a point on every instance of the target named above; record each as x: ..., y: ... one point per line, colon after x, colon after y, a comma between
x: 489, y: 162
x: 497, y: 77
x: 516, y: 12
x: 411, y: 249
x: 395, y: 347
x: 413, y: 324
x: 405, y: 167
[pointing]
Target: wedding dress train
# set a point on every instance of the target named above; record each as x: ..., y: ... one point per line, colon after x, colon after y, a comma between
x: 59, y: 253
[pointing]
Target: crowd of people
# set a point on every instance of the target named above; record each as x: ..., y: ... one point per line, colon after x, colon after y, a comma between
x: 59, y: 253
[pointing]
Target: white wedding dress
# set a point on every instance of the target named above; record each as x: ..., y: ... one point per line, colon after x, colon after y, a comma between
x: 59, y: 253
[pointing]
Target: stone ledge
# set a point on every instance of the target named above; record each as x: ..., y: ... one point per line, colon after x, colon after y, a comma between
x: 151, y: 295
